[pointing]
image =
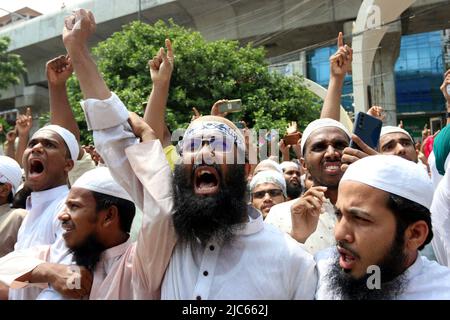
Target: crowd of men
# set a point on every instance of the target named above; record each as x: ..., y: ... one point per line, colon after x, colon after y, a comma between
x: 140, y: 218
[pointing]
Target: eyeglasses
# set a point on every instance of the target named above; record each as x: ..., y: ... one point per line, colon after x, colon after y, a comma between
x: 217, y: 144
x: 272, y: 193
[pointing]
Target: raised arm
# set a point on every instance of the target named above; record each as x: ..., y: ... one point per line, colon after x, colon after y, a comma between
x: 10, y: 149
x: 340, y: 64
x: 78, y: 27
x: 161, y: 67
x: 59, y: 70
x: 23, y: 124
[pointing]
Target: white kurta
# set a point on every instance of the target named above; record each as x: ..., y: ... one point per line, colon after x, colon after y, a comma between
x: 260, y: 263
x: 41, y: 227
x: 440, y: 219
x: 280, y: 216
x: 426, y: 280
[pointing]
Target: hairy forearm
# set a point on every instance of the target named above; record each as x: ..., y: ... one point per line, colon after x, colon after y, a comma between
x: 91, y: 82
x: 60, y: 110
x: 156, y: 109
x: 332, y: 102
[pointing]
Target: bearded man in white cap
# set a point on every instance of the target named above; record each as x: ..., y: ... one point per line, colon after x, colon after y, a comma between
x: 267, y: 189
x: 292, y: 175
x: 382, y: 225
x: 47, y: 160
x: 96, y: 224
x: 224, y: 250
x: 10, y: 219
x: 322, y: 146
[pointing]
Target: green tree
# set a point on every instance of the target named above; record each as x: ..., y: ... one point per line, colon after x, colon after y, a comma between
x: 204, y: 73
x: 11, y: 66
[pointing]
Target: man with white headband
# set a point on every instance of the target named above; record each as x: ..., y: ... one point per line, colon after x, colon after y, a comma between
x: 382, y: 225
x: 96, y: 224
x: 47, y: 160
x: 10, y: 219
x: 267, y: 189
x: 224, y: 251
x: 322, y: 146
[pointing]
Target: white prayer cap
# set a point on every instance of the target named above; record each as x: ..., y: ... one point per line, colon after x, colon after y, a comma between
x: 392, y: 129
x: 288, y: 164
x: 10, y: 172
x: 67, y: 136
x: 101, y: 181
x: 269, y: 176
x: 318, y: 124
x: 393, y: 174
x: 268, y: 164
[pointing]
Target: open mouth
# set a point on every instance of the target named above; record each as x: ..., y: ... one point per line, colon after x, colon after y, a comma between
x: 206, y: 180
x: 332, y: 168
x: 346, y: 260
x: 36, y: 167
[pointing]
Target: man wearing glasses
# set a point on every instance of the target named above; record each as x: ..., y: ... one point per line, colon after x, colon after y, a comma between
x: 267, y: 188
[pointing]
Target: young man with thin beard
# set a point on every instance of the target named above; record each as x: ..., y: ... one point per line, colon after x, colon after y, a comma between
x: 382, y: 225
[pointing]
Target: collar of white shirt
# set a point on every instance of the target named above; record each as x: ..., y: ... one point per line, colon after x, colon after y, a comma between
x: 46, y: 195
x: 254, y: 225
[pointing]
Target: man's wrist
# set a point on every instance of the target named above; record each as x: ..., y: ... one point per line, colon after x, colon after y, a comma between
x: 59, y: 85
x: 337, y: 80
x: 77, y: 51
x: 161, y: 85
x: 40, y: 274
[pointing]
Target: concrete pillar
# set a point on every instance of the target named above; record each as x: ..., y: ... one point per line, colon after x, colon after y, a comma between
x: 303, y: 65
x: 383, y: 77
x: 373, y: 21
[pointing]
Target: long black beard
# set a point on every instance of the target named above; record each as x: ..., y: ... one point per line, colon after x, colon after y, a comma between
x: 293, y: 192
x: 393, y: 280
x: 212, y: 218
x: 88, y: 253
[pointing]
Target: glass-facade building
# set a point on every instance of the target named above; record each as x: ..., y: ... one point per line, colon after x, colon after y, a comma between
x: 418, y: 75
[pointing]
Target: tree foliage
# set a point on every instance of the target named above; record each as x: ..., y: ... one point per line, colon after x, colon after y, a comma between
x: 204, y: 73
x: 11, y: 66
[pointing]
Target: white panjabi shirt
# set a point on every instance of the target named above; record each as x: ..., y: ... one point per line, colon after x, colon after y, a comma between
x: 440, y: 219
x: 260, y: 263
x: 280, y: 216
x: 41, y: 227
